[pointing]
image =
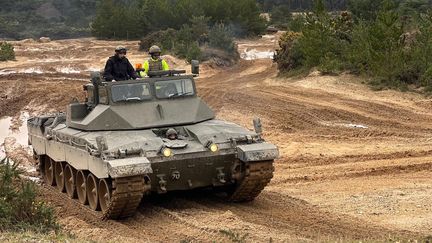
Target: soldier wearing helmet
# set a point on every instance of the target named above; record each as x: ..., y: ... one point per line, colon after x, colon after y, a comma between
x: 118, y: 67
x: 155, y: 62
x: 171, y: 134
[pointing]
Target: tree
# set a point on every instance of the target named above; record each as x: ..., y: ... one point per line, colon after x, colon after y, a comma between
x: 281, y: 16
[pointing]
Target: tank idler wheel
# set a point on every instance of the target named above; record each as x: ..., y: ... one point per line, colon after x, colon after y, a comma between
x: 70, y: 181
x: 92, y: 192
x: 59, y: 176
x: 81, y: 187
x: 105, y: 190
x: 49, y: 167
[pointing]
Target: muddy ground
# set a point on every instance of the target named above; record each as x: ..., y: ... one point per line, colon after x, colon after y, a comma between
x: 355, y: 163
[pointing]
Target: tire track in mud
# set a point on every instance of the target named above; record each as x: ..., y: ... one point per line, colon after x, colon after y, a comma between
x: 284, y: 217
x: 86, y: 218
x: 305, y: 161
x: 307, y: 110
x: 369, y: 172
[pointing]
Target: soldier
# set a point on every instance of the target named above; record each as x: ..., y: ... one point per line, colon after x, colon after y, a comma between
x: 118, y: 67
x: 155, y: 62
x: 171, y: 134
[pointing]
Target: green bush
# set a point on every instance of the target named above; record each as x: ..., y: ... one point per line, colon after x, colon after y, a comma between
x: 297, y: 23
x: 281, y: 16
x: 289, y: 56
x: 6, y: 51
x: 166, y: 39
x: 221, y: 37
x: 189, y: 41
x: 323, y: 42
x: 393, y: 50
x: 19, y: 209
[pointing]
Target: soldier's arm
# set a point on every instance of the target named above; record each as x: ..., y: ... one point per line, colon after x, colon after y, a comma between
x: 165, y: 66
x: 146, y: 68
x: 131, y: 71
x: 108, y: 71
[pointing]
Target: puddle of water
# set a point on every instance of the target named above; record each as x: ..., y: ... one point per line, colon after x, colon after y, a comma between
x: 67, y: 70
x: 357, y: 126
x: 31, y: 70
x: 94, y: 69
x: 349, y: 125
x: 6, y: 72
x: 34, y: 179
x: 254, y: 54
x: 20, y: 135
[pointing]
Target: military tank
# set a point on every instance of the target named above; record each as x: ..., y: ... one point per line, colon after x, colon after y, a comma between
x: 153, y: 135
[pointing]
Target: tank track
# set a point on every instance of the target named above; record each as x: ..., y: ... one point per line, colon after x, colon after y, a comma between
x: 258, y: 175
x: 126, y: 196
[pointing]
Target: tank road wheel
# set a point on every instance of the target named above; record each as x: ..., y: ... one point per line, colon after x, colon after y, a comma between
x: 105, y: 191
x: 92, y: 192
x: 49, y: 167
x: 81, y: 187
x: 70, y: 181
x: 59, y: 176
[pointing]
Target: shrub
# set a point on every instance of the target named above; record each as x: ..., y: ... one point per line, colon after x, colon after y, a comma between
x: 164, y: 38
x: 393, y: 50
x: 281, y: 16
x: 190, y: 40
x: 193, y: 52
x: 297, y: 23
x: 323, y: 42
x: 377, y: 49
x: 289, y: 56
x: 19, y: 209
x: 6, y: 51
x: 221, y: 37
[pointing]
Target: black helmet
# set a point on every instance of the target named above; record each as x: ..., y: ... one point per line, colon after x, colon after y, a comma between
x: 120, y: 49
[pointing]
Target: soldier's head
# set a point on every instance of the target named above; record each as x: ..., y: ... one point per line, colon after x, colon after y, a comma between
x: 171, y: 134
x: 121, y: 51
x: 155, y: 52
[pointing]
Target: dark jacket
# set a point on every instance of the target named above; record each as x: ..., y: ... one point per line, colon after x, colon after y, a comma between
x: 119, y: 69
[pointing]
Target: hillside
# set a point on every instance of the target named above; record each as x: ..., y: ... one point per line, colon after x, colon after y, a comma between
x: 58, y: 19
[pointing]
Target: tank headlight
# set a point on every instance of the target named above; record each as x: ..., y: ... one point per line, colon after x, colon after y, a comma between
x: 213, y: 147
x: 166, y: 152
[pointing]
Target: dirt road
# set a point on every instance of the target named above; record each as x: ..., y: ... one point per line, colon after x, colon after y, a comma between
x: 355, y: 164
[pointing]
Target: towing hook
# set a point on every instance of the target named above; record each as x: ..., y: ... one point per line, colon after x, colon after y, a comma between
x: 162, y: 183
x: 221, y: 175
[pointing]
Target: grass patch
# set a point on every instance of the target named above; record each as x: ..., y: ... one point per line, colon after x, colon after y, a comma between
x: 19, y: 209
x: 6, y: 52
x: 235, y: 236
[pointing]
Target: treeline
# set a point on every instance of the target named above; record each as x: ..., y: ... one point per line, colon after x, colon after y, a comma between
x: 283, y: 13
x: 387, y: 41
x: 131, y: 19
x: 57, y: 19
x: 190, y: 29
x: 302, y: 5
